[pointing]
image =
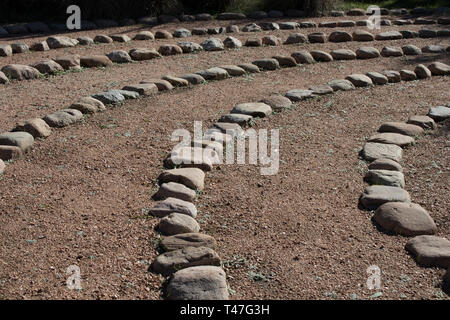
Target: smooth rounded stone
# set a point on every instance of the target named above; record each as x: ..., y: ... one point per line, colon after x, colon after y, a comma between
x: 175, y: 190
x: 407, y: 219
x: 254, y: 109
x: 188, y: 157
x: 119, y: 56
x: 439, y: 113
x: 10, y: 153
x: 385, y: 22
x: 249, y: 67
x: 251, y: 27
x: 189, y: 47
x: 161, y: 85
x: 337, y: 13
x: 120, y: 38
x: 176, y: 223
x: 20, y: 47
x: 424, y: 21
x: 47, y: 67
x: 103, y: 38
x: 232, y: 43
x: 288, y: 25
x: 126, y: 94
x: 20, y: 72
x: 392, y: 75
x: 443, y: 20
x: 232, y: 29
x: 143, y: 89
x: 375, y: 196
x: 233, y: 71
x: 356, y: 12
x: 409, y: 34
x: 3, y: 78
x: 296, y: 38
x: 377, y: 78
x: 321, y: 56
x: 385, y: 178
x: 175, y: 81
x: 343, y: 54
x: 198, y: 283
x: 193, y: 178
x: 277, y: 102
x: 258, y: 15
x: 317, y: 37
x: 367, y: 53
x: 140, y: 54
x: 340, y: 36
x: 109, y: 97
x: 144, y: 35
x: 408, y: 75
x: 362, y: 23
x: 443, y: 33
x: 269, y: 26
x: 430, y: 251
x: 199, y: 31
x: 299, y: 94
x: 69, y: 62
x: 401, y: 128
x: 271, y: 41
x: 253, y: 42
x: 389, y: 35
x: 411, y: 50
x: 214, y: 73
x: 401, y: 22
x: 16, y: 28
x: 203, y: 17
x: 216, y: 30
x: 166, y: 18
x: 181, y: 33
x: 388, y: 51
x: 362, y: 36
x: 308, y: 24
x: 284, y: 61
x: 170, y: 262
x: 392, y: 138
x: 193, y: 78
x: 231, y: 16
x: 3, y: 32
x: 303, y: 57
x: 346, y: 23
x: 374, y: 150
x: 385, y: 164
x: 170, y: 49
x: 163, y: 34
x: 232, y: 129
x: 63, y: 118
x: 20, y: 139
x: 37, y: 127
x: 61, y: 42
x: 212, y: 44
x: 436, y: 68
x: 431, y: 48
x: 427, y: 33
x: 85, y: 41
x: 359, y: 80
x: 422, y: 121
x: 5, y: 50
x: 341, y: 85
x: 2, y: 166
x: 95, y: 61
x: 148, y: 20
x: 328, y: 24
x: 422, y: 72
x: 88, y: 105
x: 170, y: 205
x: 321, y: 89
x: 267, y: 64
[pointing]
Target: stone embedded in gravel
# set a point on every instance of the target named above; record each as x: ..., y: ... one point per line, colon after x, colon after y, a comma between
x: 199, y: 31
x: 170, y: 49
x: 254, y: 109
x: 328, y: 24
x: 175, y: 81
x: 356, y: 12
x: 120, y: 38
x: 422, y: 72
x: 163, y: 34
x: 140, y: 54
x: 232, y: 43
x: 436, y: 68
x: 103, y: 38
x: 339, y: 36
x: 321, y: 56
x: 285, y: 61
x: 37, y: 127
x: 175, y: 190
x: 337, y: 13
x: 253, y: 42
x: 367, y: 53
x: 288, y: 25
x: 296, y: 38
x: 375, y: 196
x: 432, y: 48
x: 411, y: 50
x: 427, y: 33
x: 443, y: 33
x: 407, y: 219
x: 267, y: 64
x: 2, y: 166
x: 85, y: 41
x: 346, y: 23
x: 430, y: 251
x: 95, y: 61
x: 341, y: 84
x: 249, y: 68
x: 232, y: 129
x: 144, y: 35
x: 422, y: 121
x: 181, y: 33
x: 439, y: 113
x: 299, y: 94
x: 189, y: 157
x: 385, y: 164
x: 170, y: 205
x: 144, y: 89
x: 321, y: 89
x: 20, y: 47
x: 10, y: 153
x: 373, y: 150
x: 198, y: 283
x: 389, y: 35
x: 88, y: 105
x: 308, y: 24
x: 230, y: 16
x: 68, y: 62
x: 3, y: 78
x: 214, y: 73
x: 193, y: 78
x: 47, y: 66
x: 401, y: 128
x: 189, y: 47
x: 269, y: 26
x: 408, y: 75
x: 61, y: 42
x: 398, y: 139
x: 392, y: 75
x: 251, y: 27
x: 233, y: 70
x: 119, y: 56
x: 212, y: 44
x: 271, y: 41
x: 216, y: 30
x: 63, y: 117
x: 5, y: 50
x: 176, y: 223
x: 126, y: 94
x: 193, y: 178
x: 362, y: 35
x: 109, y: 97
x: 377, y: 78
x: 409, y: 34
x: 359, y: 80
x: 343, y: 54
x: 170, y: 262
x: 20, y: 139
x: 317, y: 37
x: 232, y: 29
x: 303, y: 57
x: 388, y: 51
x: 385, y: 178
x: 277, y: 102
x: 20, y: 72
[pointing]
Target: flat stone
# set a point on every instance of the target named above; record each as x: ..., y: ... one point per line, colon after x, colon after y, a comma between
x: 277, y: 102
x: 95, y: 61
x: 321, y: 56
x: 392, y: 75
x: 288, y: 25
x: 103, y: 38
x: 359, y: 80
x: 373, y: 150
x: 2, y: 166
x: 408, y: 75
x: 162, y: 85
x: 193, y: 78
x: 422, y: 121
x: 285, y: 61
x: 144, y: 35
x: 241, y: 119
x: 267, y: 64
x: 392, y: 138
x: 253, y: 42
x: 321, y: 89
x: 198, y: 283
x: 184, y: 240
x: 367, y: 53
x: 409, y: 34
x: 203, y: 17
x: 427, y: 33
x: 216, y: 30
x: 303, y: 57
x: 340, y: 36
x: 269, y: 26
x: 109, y: 97
x: 296, y: 38
x: 271, y: 41
x: 346, y: 23
x: 232, y: 43
x: 422, y: 72
x: 385, y: 164
x: 251, y: 27
x: 317, y: 37
x: 47, y: 67
x: 401, y: 127
x: 231, y: 16
x: 170, y: 50
x: 232, y: 29
x: 233, y: 71
x: 176, y: 82
x: 430, y: 251
x: 170, y: 262
x: 328, y: 24
x: 436, y: 68
x: 5, y: 50
x: 3, y: 78
x: 385, y: 178
x: 10, y: 153
x: 308, y: 24
x: 20, y: 139
x: 232, y: 129
x: 126, y: 94
x: 199, y: 31
x: 68, y: 62
x: 20, y: 47
x: 189, y: 47
x: 214, y: 73
x: 189, y: 157
x: 343, y: 54
x: 181, y: 33
x: 20, y: 72
x: 389, y: 35
x: 443, y: 33
x: 63, y: 117
x: 249, y: 68
x: 341, y: 84
x: 411, y: 50
x: 439, y: 113
x: 140, y: 54
x: 375, y: 196
x: 362, y: 36
x: 258, y: 15
x: 299, y: 94
x: 170, y: 205
x: 175, y: 190
x: 119, y: 56
x: 212, y: 44
x: 254, y: 109
x: 388, y: 51
x: 85, y: 41
x: 407, y: 219
x: 377, y: 78
x: 176, y: 223
x: 37, y: 127
x: 143, y: 89
x: 356, y: 12
x: 61, y: 42
x: 88, y: 105
x: 163, y: 34
x: 193, y: 178
x: 120, y: 38
x: 432, y: 48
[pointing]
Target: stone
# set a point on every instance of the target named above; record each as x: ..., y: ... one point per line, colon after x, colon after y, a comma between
x: 16, y: 28
x: 110, y: 97
x: 401, y: 22
x: 288, y: 25
x: 216, y: 30
x: 389, y: 35
x: 251, y: 27
x: 271, y: 41
x: 424, y: 21
x: 163, y: 34
x: 430, y: 251
x: 193, y: 78
x: 346, y: 23
x: 427, y: 33
x: 316, y: 37
x: 203, y: 17
x: 85, y: 41
x: 443, y: 20
x: 375, y: 196
x: 175, y: 190
x: 37, y: 127
x: 232, y: 43
x: 401, y: 128
x: 299, y: 94
x: 5, y: 50
x: 249, y: 68
x: 385, y: 22
x: 140, y: 54
x: 422, y: 121
x: 308, y: 24
x: 269, y: 26
x: 232, y: 29
x: 20, y: 47
x: 343, y: 54
x: 258, y: 15
x: 2, y: 167
x: 61, y: 42
x: 120, y: 38
x: 436, y: 68
x: 170, y: 49
x: 232, y: 129
x: 385, y: 178
x: 322, y: 89
x: 359, y: 80
x: 144, y: 35
x: 408, y: 75
x: 47, y: 66
x: 377, y: 78
x: 303, y: 57
x: 321, y: 56
x: 363, y: 23
x: 68, y: 62
x: 385, y: 164
x: 198, y: 283
x: 406, y: 219
x: 181, y: 33
x: 388, y: 51
x: 170, y: 205
x: 431, y: 48
x: 275, y: 14
x: 267, y: 64
x: 233, y: 71
x: 214, y: 73
x: 170, y: 262
x: 277, y: 102
x: 339, y: 36
x: 103, y: 38
x: 148, y: 20
x: 193, y: 178
x: 88, y: 105
x: 422, y: 72
x: 337, y: 13
x: 144, y: 89
x: 409, y: 34
x: 392, y: 75
x: 328, y: 24
x: 10, y: 153
x: 3, y: 78
x: 411, y: 50
x: 254, y: 109
x: 188, y: 157
x: 231, y: 16
x: 356, y: 12
x: 125, y: 93
x: 212, y: 44
x: 288, y: 62
x: 165, y: 18
x: 189, y: 47
x: 294, y: 13
x: 392, y: 138
x: 439, y: 113
x: 253, y: 42
x: 341, y: 84
x: 374, y: 150
x: 367, y: 53
x: 95, y: 61
x: 199, y: 31
x: 37, y: 27
x: 20, y: 72
x: 176, y: 223
x: 20, y: 139
x: 443, y: 33
x: 296, y: 38
x: 175, y: 81
x: 63, y: 118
